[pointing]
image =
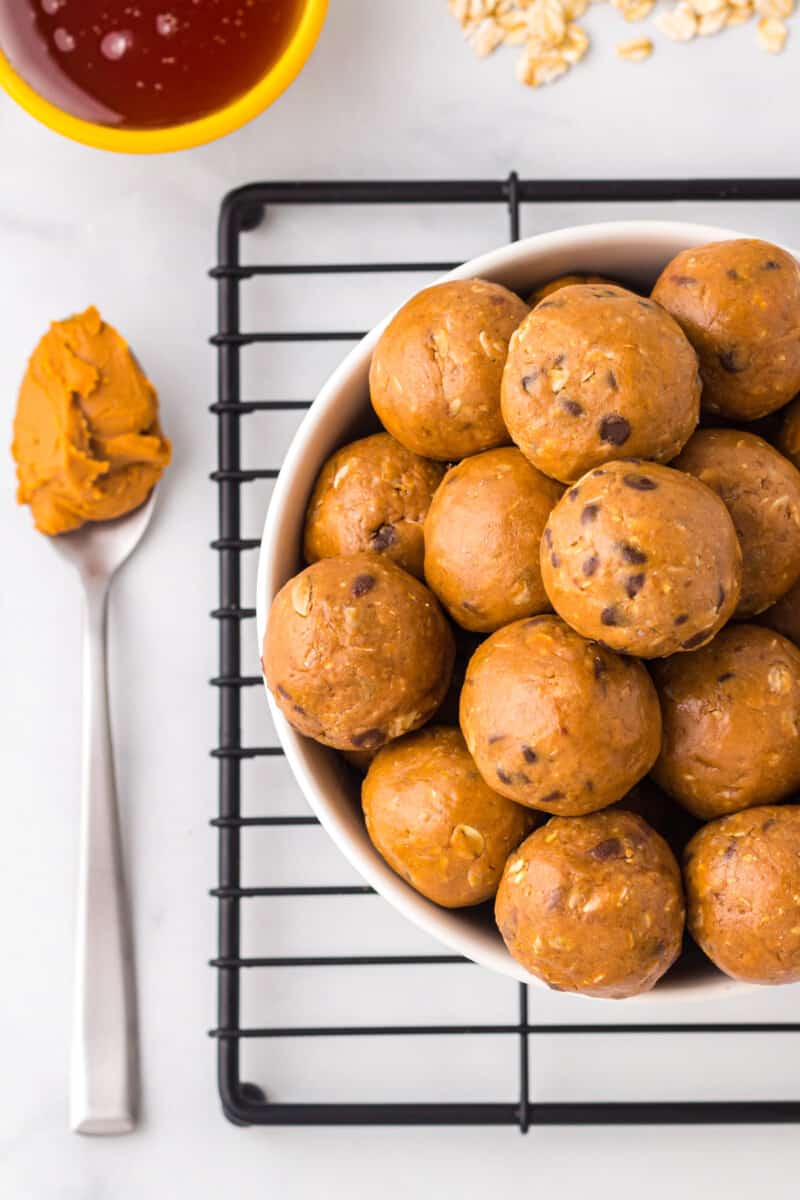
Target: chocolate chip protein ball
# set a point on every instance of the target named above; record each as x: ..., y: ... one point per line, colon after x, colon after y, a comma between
x: 761, y: 491
x: 593, y: 905
x: 482, y: 536
x: 594, y: 373
x: 784, y: 615
x: 643, y: 558
x: 743, y: 893
x: 731, y: 722
x: 555, y: 722
x: 738, y: 302
x: 434, y: 820
x: 356, y: 652
x: 788, y: 439
x: 562, y: 281
x: 372, y: 495
x: 435, y: 374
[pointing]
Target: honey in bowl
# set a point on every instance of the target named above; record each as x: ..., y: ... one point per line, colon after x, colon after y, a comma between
x: 144, y: 64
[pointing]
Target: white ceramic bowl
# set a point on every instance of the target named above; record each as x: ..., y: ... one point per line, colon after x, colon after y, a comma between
x: 632, y: 251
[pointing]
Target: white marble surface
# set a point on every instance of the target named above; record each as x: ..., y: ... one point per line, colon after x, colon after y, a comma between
x: 390, y: 92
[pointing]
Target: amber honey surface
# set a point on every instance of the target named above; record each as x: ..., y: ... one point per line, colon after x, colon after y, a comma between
x: 144, y: 64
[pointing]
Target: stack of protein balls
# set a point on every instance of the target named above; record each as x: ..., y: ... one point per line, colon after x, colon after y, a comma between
x: 515, y: 612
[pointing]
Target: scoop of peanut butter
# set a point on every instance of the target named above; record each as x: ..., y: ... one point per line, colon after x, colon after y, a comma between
x: 87, y: 441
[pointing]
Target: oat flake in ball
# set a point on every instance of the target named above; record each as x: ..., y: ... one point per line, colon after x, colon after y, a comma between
x: 595, y: 373
x: 738, y: 303
x: 593, y: 905
x: 743, y: 893
x: 432, y: 817
x: 761, y: 491
x: 482, y: 536
x: 643, y: 558
x: 435, y: 374
x: 731, y: 722
x: 357, y: 652
x: 372, y: 495
x: 557, y: 722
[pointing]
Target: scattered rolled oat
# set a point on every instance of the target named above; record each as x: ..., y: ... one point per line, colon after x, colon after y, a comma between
x: 552, y: 43
x: 709, y: 23
x: 775, y: 8
x: 634, y: 10
x: 636, y: 50
x: 772, y: 34
x: 678, y: 23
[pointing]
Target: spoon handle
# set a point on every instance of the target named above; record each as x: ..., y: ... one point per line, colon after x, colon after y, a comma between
x: 103, y: 1088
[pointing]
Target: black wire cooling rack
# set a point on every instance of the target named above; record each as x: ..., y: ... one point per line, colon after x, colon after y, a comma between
x: 245, y: 1103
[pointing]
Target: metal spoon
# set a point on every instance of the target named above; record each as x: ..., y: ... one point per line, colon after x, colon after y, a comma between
x: 104, y: 1066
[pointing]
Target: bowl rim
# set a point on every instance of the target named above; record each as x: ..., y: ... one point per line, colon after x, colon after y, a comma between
x: 443, y: 924
x: 191, y: 133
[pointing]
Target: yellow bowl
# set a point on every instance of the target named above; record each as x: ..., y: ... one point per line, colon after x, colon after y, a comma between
x: 193, y: 133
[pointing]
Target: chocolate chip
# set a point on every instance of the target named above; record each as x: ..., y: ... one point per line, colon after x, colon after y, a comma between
x: 645, y: 304
x: 683, y: 280
x: 589, y: 513
x: 614, y: 430
x: 609, y: 616
x: 548, y: 535
x: 733, y: 274
x: 729, y: 850
x: 600, y: 668
x: 768, y: 824
x: 681, y: 618
x: 383, y: 537
x: 495, y: 737
x: 301, y: 712
x: 640, y: 483
x: 590, y: 564
x: 612, y: 381
x: 720, y: 597
x: 634, y: 584
x: 632, y: 554
x: 697, y: 639
x: 599, y: 472
x: 610, y: 848
x: 529, y: 754
x: 551, y: 796
x: 468, y: 607
x: 589, y: 785
x: 283, y: 692
x: 555, y: 560
x: 529, y: 380
x: 657, y: 948
x: 369, y: 740
x: 731, y: 361
x: 362, y: 584
x: 550, y: 304
x: 572, y: 407
x: 502, y: 775
x: 558, y: 360
x: 555, y: 899
x: 770, y: 265
x: 726, y: 676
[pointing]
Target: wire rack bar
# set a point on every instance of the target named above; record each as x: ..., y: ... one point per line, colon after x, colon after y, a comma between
x: 243, y: 1102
